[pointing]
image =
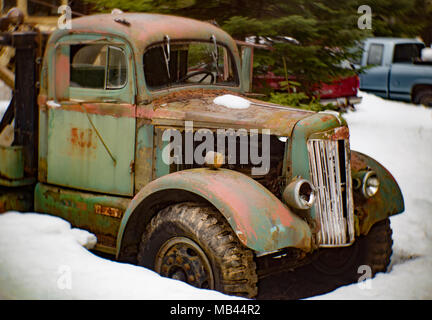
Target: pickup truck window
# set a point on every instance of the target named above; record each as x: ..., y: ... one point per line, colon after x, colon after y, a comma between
x: 188, y: 63
x: 407, y: 52
x: 375, y: 54
x: 97, y: 66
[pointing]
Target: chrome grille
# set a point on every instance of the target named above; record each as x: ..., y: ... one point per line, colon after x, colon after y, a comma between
x: 331, y: 176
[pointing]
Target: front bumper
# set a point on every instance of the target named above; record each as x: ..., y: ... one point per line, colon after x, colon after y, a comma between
x: 343, y: 101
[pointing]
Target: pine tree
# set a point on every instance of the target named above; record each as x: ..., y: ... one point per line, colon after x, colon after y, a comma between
x: 325, y: 29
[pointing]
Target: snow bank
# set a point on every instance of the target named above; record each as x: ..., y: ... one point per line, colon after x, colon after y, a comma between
x: 399, y: 135
x: 232, y: 102
x: 42, y: 257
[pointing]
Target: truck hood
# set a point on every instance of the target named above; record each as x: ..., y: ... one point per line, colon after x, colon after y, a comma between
x: 199, y: 106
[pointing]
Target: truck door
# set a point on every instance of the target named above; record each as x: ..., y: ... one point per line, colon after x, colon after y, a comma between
x: 375, y: 79
x: 91, y: 120
x: 404, y: 73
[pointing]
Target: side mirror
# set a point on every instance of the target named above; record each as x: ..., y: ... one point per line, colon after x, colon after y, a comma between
x: 246, y: 51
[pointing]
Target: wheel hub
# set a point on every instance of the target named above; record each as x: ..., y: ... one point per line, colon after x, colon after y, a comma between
x: 182, y: 259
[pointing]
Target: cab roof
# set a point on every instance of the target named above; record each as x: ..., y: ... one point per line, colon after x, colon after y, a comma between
x: 393, y: 40
x: 143, y: 29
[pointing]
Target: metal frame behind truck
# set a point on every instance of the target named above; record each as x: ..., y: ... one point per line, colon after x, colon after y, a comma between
x: 18, y: 161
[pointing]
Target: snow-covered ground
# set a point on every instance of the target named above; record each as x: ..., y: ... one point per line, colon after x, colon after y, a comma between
x: 42, y: 257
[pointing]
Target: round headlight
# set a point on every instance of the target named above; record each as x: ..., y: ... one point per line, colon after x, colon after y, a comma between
x: 299, y: 194
x: 370, y: 184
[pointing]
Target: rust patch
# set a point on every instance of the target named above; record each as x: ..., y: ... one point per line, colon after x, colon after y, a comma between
x: 114, y: 110
x: 241, y: 237
x: 340, y: 133
x: 357, y: 163
x: 42, y: 172
x: 82, y: 138
x: 41, y: 100
x: 108, y: 211
x: 326, y: 118
x: 81, y: 205
x: 62, y: 75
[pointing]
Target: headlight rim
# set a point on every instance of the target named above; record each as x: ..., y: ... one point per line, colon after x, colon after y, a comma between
x: 369, y: 175
x: 292, y: 195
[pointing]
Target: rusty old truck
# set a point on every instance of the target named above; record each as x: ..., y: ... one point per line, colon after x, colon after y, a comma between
x: 109, y: 118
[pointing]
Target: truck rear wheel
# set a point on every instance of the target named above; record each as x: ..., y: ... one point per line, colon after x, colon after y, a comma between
x: 370, y: 253
x: 194, y: 243
x: 424, y: 97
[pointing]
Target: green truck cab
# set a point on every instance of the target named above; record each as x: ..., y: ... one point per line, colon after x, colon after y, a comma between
x: 97, y: 148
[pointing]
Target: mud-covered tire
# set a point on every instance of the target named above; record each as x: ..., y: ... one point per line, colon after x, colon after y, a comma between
x: 194, y: 243
x: 369, y: 255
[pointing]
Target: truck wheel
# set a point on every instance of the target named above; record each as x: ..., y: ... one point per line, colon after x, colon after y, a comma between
x: 370, y: 253
x: 424, y: 97
x: 194, y: 243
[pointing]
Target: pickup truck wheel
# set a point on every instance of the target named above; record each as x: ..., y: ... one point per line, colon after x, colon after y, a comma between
x: 193, y: 242
x: 340, y: 266
x: 424, y: 97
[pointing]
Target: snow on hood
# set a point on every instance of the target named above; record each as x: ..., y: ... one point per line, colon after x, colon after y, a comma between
x: 232, y: 102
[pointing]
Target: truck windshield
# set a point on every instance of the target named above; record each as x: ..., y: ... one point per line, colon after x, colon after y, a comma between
x: 188, y: 63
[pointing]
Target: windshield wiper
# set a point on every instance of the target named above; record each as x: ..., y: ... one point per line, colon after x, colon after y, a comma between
x: 167, y: 55
x: 215, y: 55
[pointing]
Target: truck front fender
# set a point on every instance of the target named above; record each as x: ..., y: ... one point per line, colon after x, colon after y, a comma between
x: 387, y: 202
x: 259, y: 219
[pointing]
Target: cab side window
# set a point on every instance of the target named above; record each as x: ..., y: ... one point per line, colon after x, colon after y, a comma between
x: 407, y: 52
x: 375, y: 54
x: 97, y: 66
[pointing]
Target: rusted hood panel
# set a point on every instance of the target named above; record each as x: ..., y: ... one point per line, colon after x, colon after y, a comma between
x: 198, y: 106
